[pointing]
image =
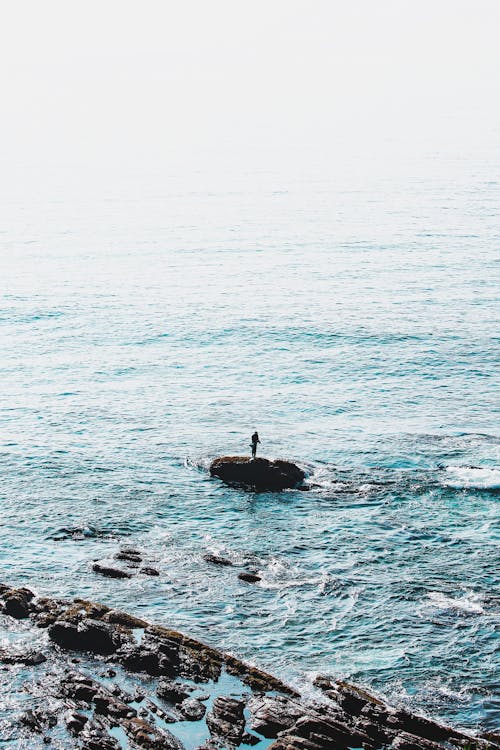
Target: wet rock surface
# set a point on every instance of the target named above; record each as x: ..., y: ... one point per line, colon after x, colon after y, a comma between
x: 249, y: 577
x: 106, y: 680
x: 217, y: 560
x: 125, y: 563
x: 259, y: 473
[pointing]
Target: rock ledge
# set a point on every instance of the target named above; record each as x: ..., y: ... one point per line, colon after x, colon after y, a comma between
x: 258, y: 473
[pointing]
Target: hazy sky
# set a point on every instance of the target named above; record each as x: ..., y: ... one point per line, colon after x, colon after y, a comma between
x: 105, y: 81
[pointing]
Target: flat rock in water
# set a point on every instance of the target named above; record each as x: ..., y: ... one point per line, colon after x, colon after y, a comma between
x: 109, y: 572
x: 258, y: 473
x: 249, y: 577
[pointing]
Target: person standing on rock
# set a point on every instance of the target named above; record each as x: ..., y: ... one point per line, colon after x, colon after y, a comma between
x: 255, y: 440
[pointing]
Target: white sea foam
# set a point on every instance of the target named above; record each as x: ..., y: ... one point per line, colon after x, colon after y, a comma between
x: 473, y: 477
x: 470, y: 602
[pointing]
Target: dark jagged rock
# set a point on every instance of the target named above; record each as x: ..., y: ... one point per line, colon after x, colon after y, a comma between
x: 173, y: 691
x: 95, y: 737
x: 192, y: 709
x: 117, y: 617
x: 289, y: 742
x: 28, y: 658
x: 48, y: 611
x: 88, y: 635
x: 75, y: 722
x: 258, y: 473
x: 249, y: 577
x: 81, y: 609
x: 329, y: 732
x: 148, y: 737
x: 256, y: 678
x: 346, y: 717
x: 109, y: 572
x: 127, y: 549
x: 17, y: 603
x: 131, y: 557
x: 247, y: 738
x: 226, y: 719
x: 108, y: 705
x: 273, y: 714
x: 138, y: 659
x: 37, y: 720
x: 351, y: 698
x: 406, y: 741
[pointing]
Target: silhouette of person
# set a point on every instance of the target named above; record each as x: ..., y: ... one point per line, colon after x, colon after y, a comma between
x: 255, y: 440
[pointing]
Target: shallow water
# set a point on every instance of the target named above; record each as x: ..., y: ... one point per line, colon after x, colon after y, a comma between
x: 149, y: 323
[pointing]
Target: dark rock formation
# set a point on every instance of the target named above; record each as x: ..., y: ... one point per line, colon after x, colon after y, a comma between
x: 273, y: 714
x: 75, y: 722
x: 249, y: 577
x: 259, y: 473
x: 109, y: 572
x: 91, y: 708
x: 191, y: 709
x: 130, y: 557
x: 148, y: 571
x: 29, y: 657
x: 226, y: 720
x: 17, y: 603
x: 216, y: 559
x: 123, y: 618
x: 88, y: 635
x: 173, y: 691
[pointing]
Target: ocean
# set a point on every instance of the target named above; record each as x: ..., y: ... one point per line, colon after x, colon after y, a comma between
x: 152, y: 320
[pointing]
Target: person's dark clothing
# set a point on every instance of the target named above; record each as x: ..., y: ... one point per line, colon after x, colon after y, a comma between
x: 255, y: 440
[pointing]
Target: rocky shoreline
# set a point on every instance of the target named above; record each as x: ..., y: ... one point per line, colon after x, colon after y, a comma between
x: 106, y: 680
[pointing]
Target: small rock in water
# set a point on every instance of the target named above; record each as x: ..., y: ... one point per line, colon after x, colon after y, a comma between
x: 110, y: 572
x: 131, y: 560
x: 173, y: 691
x: 192, y: 709
x: 249, y: 577
x: 216, y: 559
x: 149, y: 571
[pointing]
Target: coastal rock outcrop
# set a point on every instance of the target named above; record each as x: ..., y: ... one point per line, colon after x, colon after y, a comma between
x: 258, y: 473
x: 134, y: 678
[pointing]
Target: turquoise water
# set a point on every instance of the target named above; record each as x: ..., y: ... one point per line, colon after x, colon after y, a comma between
x: 152, y: 322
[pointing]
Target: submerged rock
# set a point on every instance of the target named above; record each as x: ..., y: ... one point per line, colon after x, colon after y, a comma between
x: 148, y: 571
x: 216, y: 559
x: 258, y: 473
